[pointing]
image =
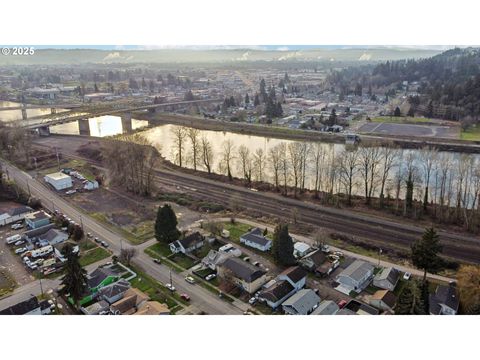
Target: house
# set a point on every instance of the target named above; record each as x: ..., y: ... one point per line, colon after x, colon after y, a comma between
x: 255, y: 239
x: 114, y: 292
x: 383, y: 300
x: 360, y: 308
x: 355, y: 277
x: 152, y: 308
x: 301, y: 303
x: 58, y: 250
x: 248, y: 277
x: 59, y: 180
x: 276, y: 294
x: 14, y: 214
x: 444, y: 301
x: 188, y: 244
x: 128, y: 305
x: 216, y: 258
x: 37, y: 219
x: 295, y: 275
x: 90, y: 185
x: 326, y: 307
x: 313, y: 260
x: 53, y: 236
x: 300, y: 249
x: 97, y: 308
x: 387, y: 278
x: 34, y: 234
x: 287, y: 283
x: 30, y: 306
x: 96, y: 280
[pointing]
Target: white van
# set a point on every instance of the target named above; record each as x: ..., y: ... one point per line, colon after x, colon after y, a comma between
x: 13, y: 239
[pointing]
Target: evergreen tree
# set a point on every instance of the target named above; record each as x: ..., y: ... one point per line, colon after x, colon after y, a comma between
x: 409, y: 302
x: 263, y: 90
x: 397, y: 112
x: 425, y: 251
x: 75, y: 278
x: 332, y: 119
x: 95, y: 88
x: 282, y: 247
x: 256, y: 100
x: 247, y: 99
x: 166, y: 225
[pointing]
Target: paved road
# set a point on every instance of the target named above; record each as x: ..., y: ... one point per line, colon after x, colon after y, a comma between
x: 200, y: 297
x: 383, y: 232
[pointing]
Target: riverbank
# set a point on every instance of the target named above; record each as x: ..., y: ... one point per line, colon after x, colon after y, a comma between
x: 450, y: 145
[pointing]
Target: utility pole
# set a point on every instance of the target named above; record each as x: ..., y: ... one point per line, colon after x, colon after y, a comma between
x: 171, y: 281
x: 28, y: 187
x: 41, y: 287
x: 58, y: 159
x: 379, y: 254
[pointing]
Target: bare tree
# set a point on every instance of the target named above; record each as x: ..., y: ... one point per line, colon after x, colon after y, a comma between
x: 274, y: 163
x: 127, y: 254
x: 318, y: 162
x: 428, y: 157
x: 369, y: 161
x: 295, y: 157
x: 388, y: 156
x: 228, y: 149
x: 284, y: 165
x: 245, y: 163
x: 348, y: 167
x: 179, y: 135
x: 259, y: 163
x: 206, y: 153
x: 194, y: 135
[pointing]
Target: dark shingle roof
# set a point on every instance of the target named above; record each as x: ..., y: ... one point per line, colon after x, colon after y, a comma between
x: 98, y: 275
x: 243, y: 270
x: 295, y: 273
x: 191, y: 239
x: 446, y: 295
x: 22, y: 307
x: 19, y: 210
x: 277, y: 291
x: 256, y: 238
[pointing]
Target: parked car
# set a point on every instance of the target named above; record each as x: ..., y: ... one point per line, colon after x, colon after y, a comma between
x: 19, y: 242
x: 21, y: 250
x: 157, y: 261
x: 89, y: 235
x: 17, y: 226
x: 97, y: 240
x: 252, y: 300
x: 190, y: 280
x: 338, y: 253
x: 70, y: 192
x: 170, y: 287
x: 247, y: 259
x: 256, y: 263
x: 407, y: 276
x: 105, y: 244
x: 210, y: 277
x: 325, y: 248
x: 185, y: 297
x: 342, y: 303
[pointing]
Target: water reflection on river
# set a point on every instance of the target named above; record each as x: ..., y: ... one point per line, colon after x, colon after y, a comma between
x: 101, y: 126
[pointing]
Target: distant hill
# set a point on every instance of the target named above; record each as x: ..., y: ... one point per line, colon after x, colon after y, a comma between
x: 83, y: 56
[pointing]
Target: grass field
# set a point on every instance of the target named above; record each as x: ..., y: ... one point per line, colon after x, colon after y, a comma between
x: 94, y: 255
x: 401, y: 119
x: 472, y: 134
x: 133, y: 238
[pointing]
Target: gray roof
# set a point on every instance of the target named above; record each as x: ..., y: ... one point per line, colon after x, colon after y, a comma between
x: 303, y: 301
x: 243, y: 270
x: 256, y: 236
x: 22, y: 307
x: 19, y: 210
x: 190, y: 240
x: 52, y: 234
x: 277, y: 291
x: 446, y: 295
x: 98, y: 275
x: 115, y: 289
x: 326, y: 307
x: 390, y: 274
x: 357, y: 270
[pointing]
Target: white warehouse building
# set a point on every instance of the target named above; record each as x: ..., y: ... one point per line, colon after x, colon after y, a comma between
x: 59, y: 180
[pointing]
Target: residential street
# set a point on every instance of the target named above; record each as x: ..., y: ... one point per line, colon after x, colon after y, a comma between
x: 200, y: 297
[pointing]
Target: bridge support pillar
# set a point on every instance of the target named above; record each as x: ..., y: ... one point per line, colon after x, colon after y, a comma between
x: 53, y: 111
x: 127, y: 122
x: 44, y: 131
x: 84, y: 127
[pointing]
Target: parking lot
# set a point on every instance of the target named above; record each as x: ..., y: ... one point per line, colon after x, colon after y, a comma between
x: 11, y: 262
x: 393, y: 129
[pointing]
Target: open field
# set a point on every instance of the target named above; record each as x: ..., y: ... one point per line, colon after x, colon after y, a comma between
x: 401, y: 120
x: 93, y: 256
x: 472, y: 134
x: 410, y: 130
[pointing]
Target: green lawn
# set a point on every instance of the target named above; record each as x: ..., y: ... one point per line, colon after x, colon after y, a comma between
x: 93, y: 256
x: 236, y: 230
x: 87, y: 245
x: 472, y: 134
x: 161, y: 249
x: 400, y: 119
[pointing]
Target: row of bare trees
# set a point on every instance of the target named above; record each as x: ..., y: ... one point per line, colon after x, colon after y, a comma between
x: 411, y: 182
x: 130, y: 160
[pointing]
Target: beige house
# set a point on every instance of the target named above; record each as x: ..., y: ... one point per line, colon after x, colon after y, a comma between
x: 248, y: 277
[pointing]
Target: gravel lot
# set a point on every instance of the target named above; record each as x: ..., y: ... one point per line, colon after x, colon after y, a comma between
x: 410, y: 130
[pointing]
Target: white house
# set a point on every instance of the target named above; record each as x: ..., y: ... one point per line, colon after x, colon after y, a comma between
x: 187, y: 244
x: 355, y: 277
x: 287, y: 283
x: 54, y: 236
x: 37, y: 219
x: 444, y: 301
x: 14, y: 214
x: 300, y: 249
x: 387, y: 278
x: 255, y: 239
x: 59, y: 180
